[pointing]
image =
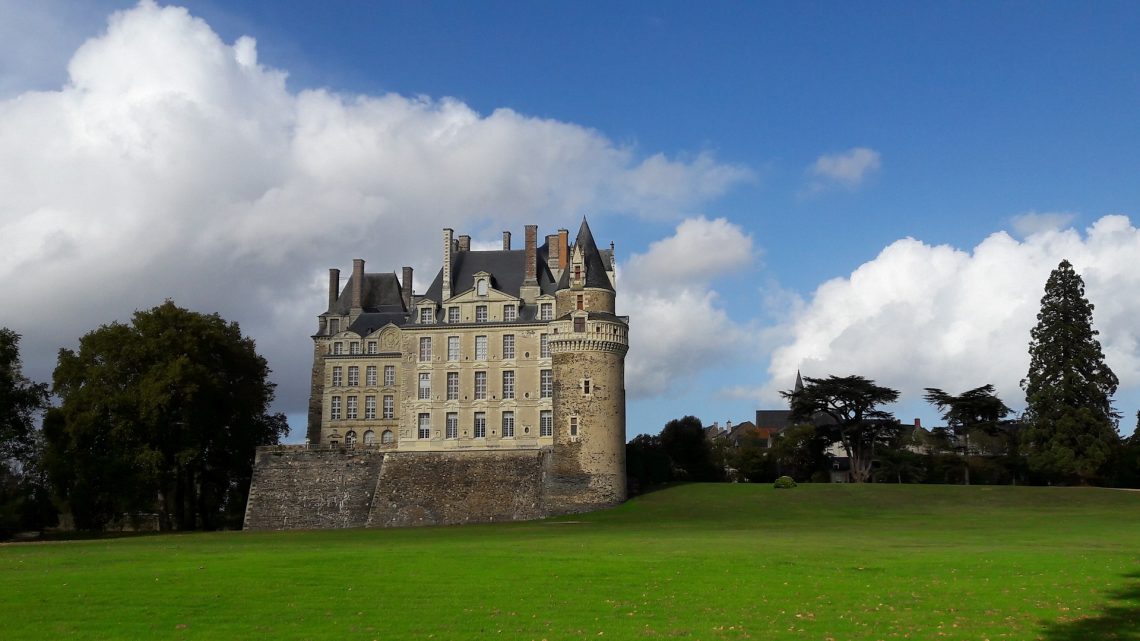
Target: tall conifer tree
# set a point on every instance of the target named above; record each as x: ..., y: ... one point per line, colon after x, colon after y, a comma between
x: 1070, y: 426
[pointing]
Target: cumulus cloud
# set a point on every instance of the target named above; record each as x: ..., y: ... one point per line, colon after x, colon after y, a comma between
x: 847, y: 169
x: 935, y: 316
x: 173, y: 164
x: 681, y: 327
x: 1034, y: 222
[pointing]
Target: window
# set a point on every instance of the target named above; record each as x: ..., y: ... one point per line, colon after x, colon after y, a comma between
x: 480, y: 386
x: 370, y: 438
x: 480, y: 425
x: 387, y: 438
x: 452, y: 425
x: 452, y: 348
x: 425, y: 426
x: 370, y: 375
x: 371, y: 347
x: 480, y: 313
x: 510, y: 312
x: 508, y: 346
x: 338, y: 347
x: 580, y: 324
x: 546, y: 423
x: 509, y: 384
x: 389, y: 375
x: 427, y: 315
x: 586, y: 386
x: 350, y: 439
x: 425, y: 386
x: 353, y: 376
x: 350, y: 408
x: 453, y: 386
x: 389, y: 406
x: 338, y: 376
x: 581, y: 301
x: 480, y: 348
x: 573, y: 426
x: 334, y: 326
x: 546, y: 383
x: 481, y: 287
x: 545, y: 311
x: 508, y: 424
x: 354, y: 347
x: 577, y: 273
x: 544, y: 346
x: 453, y: 314
x: 334, y: 408
x: 369, y: 407
x: 425, y: 349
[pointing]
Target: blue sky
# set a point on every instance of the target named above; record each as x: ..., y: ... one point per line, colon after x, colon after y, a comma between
x: 812, y: 139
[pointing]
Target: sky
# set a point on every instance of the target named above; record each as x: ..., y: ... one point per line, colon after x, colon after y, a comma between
x: 829, y: 187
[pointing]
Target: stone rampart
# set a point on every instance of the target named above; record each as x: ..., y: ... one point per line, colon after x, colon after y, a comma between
x: 312, y: 487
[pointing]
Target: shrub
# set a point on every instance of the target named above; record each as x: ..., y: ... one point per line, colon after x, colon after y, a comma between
x: 784, y: 483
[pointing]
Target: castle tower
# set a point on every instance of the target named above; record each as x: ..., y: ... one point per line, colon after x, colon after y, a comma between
x: 588, y: 344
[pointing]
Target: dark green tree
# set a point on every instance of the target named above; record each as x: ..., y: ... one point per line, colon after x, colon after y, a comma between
x: 160, y: 415
x: 1070, y: 425
x: 801, y: 453
x: 849, y: 407
x: 972, y: 411
x: 646, y: 464
x: 689, y: 451
x: 20, y: 444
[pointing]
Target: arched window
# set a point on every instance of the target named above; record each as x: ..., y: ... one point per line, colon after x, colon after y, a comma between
x: 370, y: 438
x: 350, y: 438
x: 387, y: 437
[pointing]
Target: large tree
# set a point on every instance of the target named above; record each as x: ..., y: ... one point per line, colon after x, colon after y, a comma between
x: 689, y: 452
x: 1070, y: 425
x: 20, y: 401
x: 972, y: 411
x: 160, y: 415
x: 846, y: 410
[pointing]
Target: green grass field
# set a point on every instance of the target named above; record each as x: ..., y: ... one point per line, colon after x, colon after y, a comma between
x: 817, y: 562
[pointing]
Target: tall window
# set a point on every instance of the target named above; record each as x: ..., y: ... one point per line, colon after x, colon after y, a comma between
x: 350, y: 438
x: 579, y: 324
x: 509, y: 384
x: 508, y: 346
x: 508, y: 424
x: 338, y: 347
x: 545, y: 311
x: 544, y: 345
x: 427, y: 315
x: 510, y: 312
x: 389, y: 375
x: 586, y: 388
x: 452, y: 425
x: 453, y: 386
x: 389, y: 406
x: 577, y: 273
x: 338, y: 376
x: 480, y: 425
x: 354, y: 347
x: 387, y: 437
x: 453, y: 314
x: 480, y: 385
x: 369, y: 407
x: 546, y: 383
x: 334, y: 326
x: 425, y: 349
x: 452, y: 348
x: 581, y: 301
x: 480, y: 313
x: 334, y: 408
x: 546, y: 423
x: 371, y: 347
x: 573, y: 426
x: 425, y: 426
x: 353, y: 376
x: 425, y: 386
x: 350, y: 408
x: 480, y: 348
x: 370, y: 375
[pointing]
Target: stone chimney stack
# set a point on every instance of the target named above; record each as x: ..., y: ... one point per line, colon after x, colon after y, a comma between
x: 464, y: 243
x: 334, y: 287
x: 357, y: 284
x: 448, y: 243
x: 552, y: 254
x: 506, y: 241
x: 531, y: 255
x: 406, y: 287
x: 918, y: 423
x: 563, y: 248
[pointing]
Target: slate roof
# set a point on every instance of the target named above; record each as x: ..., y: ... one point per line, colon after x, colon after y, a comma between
x: 592, y: 258
x: 506, y: 266
x: 381, y: 294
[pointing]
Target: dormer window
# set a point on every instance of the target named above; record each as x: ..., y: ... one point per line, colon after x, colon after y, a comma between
x: 510, y: 313
x: 334, y: 325
x: 427, y: 315
x: 453, y: 314
x: 580, y: 324
x: 481, y: 287
x: 577, y: 273
x: 545, y: 311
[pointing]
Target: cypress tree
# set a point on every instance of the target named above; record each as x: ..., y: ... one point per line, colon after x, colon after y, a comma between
x: 1070, y: 425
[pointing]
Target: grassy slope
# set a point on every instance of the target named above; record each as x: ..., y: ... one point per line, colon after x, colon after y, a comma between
x: 699, y: 561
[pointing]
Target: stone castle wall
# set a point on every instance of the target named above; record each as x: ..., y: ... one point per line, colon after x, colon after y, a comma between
x: 311, y: 488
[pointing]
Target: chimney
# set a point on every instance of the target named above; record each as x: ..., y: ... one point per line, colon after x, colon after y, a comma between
x: 464, y: 243
x: 563, y: 248
x: 552, y: 253
x: 406, y: 287
x: 448, y: 242
x: 357, y: 283
x: 918, y: 422
x: 334, y: 287
x: 506, y: 241
x: 531, y: 255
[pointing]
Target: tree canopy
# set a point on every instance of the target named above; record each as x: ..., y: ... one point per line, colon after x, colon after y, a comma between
x: 161, y: 415
x: 20, y: 400
x: 978, y: 409
x: 1070, y: 429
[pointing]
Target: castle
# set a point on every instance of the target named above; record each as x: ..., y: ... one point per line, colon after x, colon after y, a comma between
x: 497, y: 394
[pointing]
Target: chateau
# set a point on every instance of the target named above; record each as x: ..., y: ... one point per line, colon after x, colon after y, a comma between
x: 498, y: 393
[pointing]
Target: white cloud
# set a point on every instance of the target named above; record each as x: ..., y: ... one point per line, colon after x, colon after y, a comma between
x: 1034, y: 222
x: 172, y: 164
x: 681, y: 329
x: 847, y: 169
x: 934, y: 316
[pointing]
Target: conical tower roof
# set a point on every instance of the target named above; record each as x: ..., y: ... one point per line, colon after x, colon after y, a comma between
x: 592, y: 261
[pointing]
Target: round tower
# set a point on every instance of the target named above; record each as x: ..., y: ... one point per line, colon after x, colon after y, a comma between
x: 588, y: 343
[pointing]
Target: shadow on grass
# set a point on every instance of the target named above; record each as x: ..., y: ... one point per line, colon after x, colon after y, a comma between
x: 1119, y: 620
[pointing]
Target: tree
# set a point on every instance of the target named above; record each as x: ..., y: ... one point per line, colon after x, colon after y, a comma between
x: 160, y: 415
x: 689, y: 453
x: 1070, y: 428
x: 974, y: 410
x: 646, y: 463
x: 20, y: 401
x: 801, y: 453
x: 849, y: 405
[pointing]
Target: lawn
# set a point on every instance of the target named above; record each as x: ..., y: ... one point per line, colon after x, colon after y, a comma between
x: 710, y: 562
